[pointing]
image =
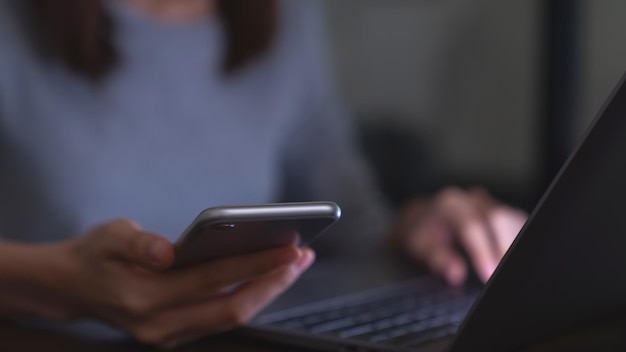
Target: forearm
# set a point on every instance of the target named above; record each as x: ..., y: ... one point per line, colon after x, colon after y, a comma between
x: 32, y: 278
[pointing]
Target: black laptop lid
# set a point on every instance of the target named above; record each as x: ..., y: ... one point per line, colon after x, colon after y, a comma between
x: 567, y: 268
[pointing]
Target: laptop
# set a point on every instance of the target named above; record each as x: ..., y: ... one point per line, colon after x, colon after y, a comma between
x: 564, y: 272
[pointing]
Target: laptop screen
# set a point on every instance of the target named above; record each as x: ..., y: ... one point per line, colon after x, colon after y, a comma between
x: 567, y: 268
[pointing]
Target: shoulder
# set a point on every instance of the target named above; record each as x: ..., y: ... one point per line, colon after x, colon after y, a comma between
x: 12, y: 38
x: 12, y: 33
x: 301, y: 38
x: 300, y: 9
x: 300, y: 21
x: 14, y: 51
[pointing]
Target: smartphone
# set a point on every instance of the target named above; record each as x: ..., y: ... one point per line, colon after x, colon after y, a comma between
x: 233, y: 230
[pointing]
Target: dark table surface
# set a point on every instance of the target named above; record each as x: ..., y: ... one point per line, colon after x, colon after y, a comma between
x: 328, y: 279
x: 604, y: 337
x: 15, y: 338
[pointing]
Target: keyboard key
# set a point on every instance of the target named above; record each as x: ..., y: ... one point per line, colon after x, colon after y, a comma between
x: 332, y: 325
x: 403, y: 315
x: 359, y: 330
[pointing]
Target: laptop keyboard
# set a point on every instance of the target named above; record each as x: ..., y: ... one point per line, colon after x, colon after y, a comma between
x: 407, y: 314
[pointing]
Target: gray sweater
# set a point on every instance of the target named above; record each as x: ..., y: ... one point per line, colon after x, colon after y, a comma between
x: 167, y: 135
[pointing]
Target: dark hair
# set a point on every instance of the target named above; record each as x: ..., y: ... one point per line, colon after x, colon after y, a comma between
x: 78, y: 33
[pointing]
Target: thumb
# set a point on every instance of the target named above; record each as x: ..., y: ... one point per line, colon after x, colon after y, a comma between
x: 124, y: 239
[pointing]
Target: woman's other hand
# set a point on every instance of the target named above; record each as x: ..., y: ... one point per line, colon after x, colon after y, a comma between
x: 433, y: 231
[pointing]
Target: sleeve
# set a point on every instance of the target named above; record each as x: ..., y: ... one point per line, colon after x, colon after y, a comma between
x: 11, y: 52
x: 322, y: 160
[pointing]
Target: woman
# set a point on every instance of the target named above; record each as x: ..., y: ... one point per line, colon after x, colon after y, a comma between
x: 151, y: 110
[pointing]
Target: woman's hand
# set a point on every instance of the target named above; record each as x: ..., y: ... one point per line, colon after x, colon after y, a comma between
x: 117, y: 273
x: 433, y: 230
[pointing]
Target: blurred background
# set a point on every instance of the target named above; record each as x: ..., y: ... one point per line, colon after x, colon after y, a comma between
x: 468, y: 92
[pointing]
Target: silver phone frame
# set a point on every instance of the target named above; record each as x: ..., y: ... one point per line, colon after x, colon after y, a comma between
x: 231, y: 216
x: 260, y: 212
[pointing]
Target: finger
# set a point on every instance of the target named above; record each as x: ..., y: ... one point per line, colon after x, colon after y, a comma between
x: 449, y: 264
x: 430, y: 244
x: 246, y: 302
x: 486, y: 205
x: 204, y: 280
x: 223, y: 312
x: 471, y: 229
x: 123, y: 239
x: 505, y: 222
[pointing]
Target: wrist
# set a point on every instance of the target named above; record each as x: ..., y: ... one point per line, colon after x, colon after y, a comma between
x: 34, y: 279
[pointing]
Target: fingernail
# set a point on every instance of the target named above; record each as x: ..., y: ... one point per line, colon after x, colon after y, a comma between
x: 494, y: 266
x: 455, y: 274
x: 486, y: 270
x: 306, y: 259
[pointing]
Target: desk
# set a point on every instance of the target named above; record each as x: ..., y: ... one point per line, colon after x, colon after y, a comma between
x: 22, y: 339
x: 605, y: 337
x: 14, y: 338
